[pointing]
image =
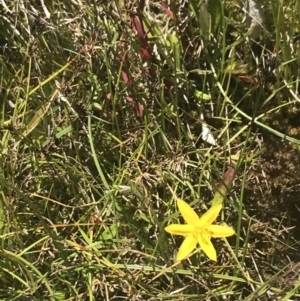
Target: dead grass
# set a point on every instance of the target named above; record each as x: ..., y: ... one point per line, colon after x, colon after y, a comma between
x: 101, y: 131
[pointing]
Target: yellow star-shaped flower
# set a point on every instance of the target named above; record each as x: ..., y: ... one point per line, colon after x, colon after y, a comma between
x: 198, y: 230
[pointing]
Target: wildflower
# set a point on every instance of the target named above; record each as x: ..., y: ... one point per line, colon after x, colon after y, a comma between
x: 198, y: 230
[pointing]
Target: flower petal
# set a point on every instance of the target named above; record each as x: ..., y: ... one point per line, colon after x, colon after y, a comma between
x: 220, y: 231
x: 209, y: 216
x: 186, y: 247
x: 180, y: 229
x: 187, y: 212
x: 207, y: 247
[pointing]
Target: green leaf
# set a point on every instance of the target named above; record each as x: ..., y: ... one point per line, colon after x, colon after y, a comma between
x: 205, y: 22
x: 202, y: 96
x: 223, y: 186
x: 214, y: 8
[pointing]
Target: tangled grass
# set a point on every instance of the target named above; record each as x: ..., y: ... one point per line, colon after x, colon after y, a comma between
x: 103, y: 111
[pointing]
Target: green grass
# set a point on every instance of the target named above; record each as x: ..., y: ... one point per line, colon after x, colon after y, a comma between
x: 100, y: 135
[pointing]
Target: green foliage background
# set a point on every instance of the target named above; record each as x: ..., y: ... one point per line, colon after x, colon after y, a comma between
x: 101, y: 132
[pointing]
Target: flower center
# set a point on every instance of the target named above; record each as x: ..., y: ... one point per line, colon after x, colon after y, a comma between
x: 202, y: 234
